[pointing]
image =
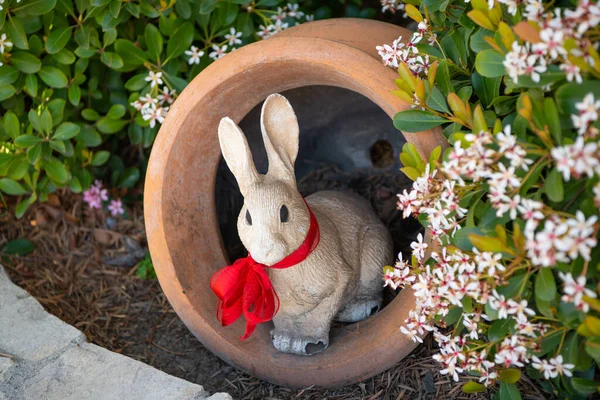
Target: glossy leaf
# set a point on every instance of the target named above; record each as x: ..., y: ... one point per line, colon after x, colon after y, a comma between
x: 416, y: 121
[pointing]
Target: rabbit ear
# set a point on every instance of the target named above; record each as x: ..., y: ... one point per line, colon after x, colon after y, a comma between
x: 280, y: 132
x: 236, y: 153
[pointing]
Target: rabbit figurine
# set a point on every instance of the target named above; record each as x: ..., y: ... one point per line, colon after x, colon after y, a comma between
x: 341, y: 279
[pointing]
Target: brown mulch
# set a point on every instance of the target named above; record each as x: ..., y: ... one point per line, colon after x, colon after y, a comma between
x: 126, y: 314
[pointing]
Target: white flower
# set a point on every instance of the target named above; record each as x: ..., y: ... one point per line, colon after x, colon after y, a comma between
x: 155, y: 114
x: 310, y: 17
x: 412, y: 334
x: 544, y: 367
x: 293, y: 11
x: 562, y: 369
x: 194, y: 53
x: 1, y: 8
x: 218, y: 52
x: 572, y: 71
x: 498, y: 302
x: 575, y: 290
x: 166, y: 96
x: 265, y: 31
x: 520, y: 309
x: 508, y: 204
x: 552, y: 43
x: 233, y: 37
x: 154, y: 78
x: 4, y: 41
x: 419, y: 247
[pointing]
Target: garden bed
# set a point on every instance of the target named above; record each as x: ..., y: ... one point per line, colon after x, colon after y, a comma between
x: 124, y: 313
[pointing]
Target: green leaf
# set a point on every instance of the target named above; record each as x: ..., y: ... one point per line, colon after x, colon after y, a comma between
x: 90, y: 114
x: 592, y: 347
x: 487, y: 89
x: 74, y: 94
x: 46, y: 121
x: 154, y: 41
x: 584, y: 386
x: 207, y: 6
x: 16, y: 33
x: 108, y: 126
x: 130, y: 177
x: 553, y: 186
x: 65, y: 131
x: 571, y: 93
x: 35, y: 7
x: 6, y: 92
x: 31, y: 85
x: 35, y: 120
x: 100, y: 157
x: 226, y: 13
x: 442, y: 79
x: 56, y: 107
x: 18, y: 247
x: 509, y: 391
x: 24, y: 205
x: 11, y: 187
x: 53, y: 77
x: 499, y: 329
x: 461, y: 238
x: 8, y: 74
x: 27, y: 140
x: 116, y: 111
x: 180, y: 41
x: 416, y: 121
x: 111, y: 60
x: 26, y: 62
x: 545, y: 285
x: 473, y: 387
x: 511, y: 375
x: 136, y: 82
x: 75, y: 185
x: 56, y: 170
x: 58, y: 39
x: 551, y: 114
x: 489, y: 63
x: 11, y: 124
x: 477, y: 42
x: 437, y: 101
x: 133, y: 56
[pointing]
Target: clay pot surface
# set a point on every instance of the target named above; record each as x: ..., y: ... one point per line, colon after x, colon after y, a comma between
x: 179, y: 201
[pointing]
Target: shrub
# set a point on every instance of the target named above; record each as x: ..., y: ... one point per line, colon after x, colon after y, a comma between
x: 507, y: 279
x: 85, y: 84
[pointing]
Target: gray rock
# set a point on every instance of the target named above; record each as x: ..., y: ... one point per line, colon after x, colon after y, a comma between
x: 51, y: 360
x: 27, y: 332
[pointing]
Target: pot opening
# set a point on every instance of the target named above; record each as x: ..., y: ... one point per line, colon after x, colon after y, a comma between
x: 346, y: 143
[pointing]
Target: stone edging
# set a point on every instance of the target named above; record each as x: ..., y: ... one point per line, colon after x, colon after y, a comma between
x: 42, y: 357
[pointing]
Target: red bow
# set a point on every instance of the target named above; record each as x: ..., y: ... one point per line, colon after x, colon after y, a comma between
x: 245, y: 288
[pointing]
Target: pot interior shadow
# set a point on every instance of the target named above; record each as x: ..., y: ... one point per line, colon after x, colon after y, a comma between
x: 346, y: 143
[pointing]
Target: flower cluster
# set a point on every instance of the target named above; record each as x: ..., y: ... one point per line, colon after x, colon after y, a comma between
x: 392, y: 6
x: 282, y: 19
x: 505, y: 277
x: 154, y: 108
x: 96, y: 195
x: 562, y: 40
x: 4, y: 43
x: 407, y: 52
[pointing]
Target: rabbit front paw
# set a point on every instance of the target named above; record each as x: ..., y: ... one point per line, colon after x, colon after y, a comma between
x: 300, y: 345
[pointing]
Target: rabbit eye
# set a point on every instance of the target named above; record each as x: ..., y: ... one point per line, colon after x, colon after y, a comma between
x: 248, y: 217
x: 284, y: 214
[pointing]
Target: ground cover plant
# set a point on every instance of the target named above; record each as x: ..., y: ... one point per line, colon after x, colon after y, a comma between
x: 85, y: 84
x: 507, y: 277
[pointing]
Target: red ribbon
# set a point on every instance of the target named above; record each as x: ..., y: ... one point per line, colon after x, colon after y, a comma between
x: 245, y: 288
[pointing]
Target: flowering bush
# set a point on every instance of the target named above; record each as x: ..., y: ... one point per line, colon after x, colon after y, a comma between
x: 507, y: 275
x: 85, y: 84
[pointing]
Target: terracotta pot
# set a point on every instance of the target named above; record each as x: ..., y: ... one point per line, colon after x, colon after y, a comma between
x: 179, y: 202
